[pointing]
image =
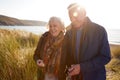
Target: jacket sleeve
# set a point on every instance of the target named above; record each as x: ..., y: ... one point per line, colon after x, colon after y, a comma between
x: 64, y: 58
x: 36, y: 55
x: 101, y: 59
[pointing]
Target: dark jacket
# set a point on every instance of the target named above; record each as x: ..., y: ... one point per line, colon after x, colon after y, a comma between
x: 94, y: 51
x: 40, y: 47
x: 39, y: 54
x: 49, y: 50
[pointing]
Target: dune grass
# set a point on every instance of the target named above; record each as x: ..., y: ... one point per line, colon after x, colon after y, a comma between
x: 113, y: 68
x: 16, y: 55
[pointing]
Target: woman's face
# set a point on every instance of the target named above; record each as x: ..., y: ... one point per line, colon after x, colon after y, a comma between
x: 54, y: 28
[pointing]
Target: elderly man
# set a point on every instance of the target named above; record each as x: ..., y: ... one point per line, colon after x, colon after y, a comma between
x: 86, y: 49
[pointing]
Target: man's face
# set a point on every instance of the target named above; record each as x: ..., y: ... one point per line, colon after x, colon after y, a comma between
x: 77, y: 16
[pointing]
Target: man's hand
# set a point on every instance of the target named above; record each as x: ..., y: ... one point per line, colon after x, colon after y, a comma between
x: 74, y: 70
x: 40, y: 63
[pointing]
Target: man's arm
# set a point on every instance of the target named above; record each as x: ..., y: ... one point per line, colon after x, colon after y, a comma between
x: 101, y: 59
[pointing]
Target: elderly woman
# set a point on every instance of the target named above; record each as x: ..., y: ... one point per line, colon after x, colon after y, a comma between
x: 48, y: 52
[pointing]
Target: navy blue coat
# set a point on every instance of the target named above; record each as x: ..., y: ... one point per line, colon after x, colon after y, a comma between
x: 94, y: 51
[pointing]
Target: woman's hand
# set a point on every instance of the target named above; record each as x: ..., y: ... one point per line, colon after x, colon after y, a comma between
x: 74, y: 70
x: 40, y: 63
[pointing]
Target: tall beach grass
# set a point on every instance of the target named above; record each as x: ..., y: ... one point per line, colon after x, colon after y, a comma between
x: 16, y: 55
x: 113, y: 67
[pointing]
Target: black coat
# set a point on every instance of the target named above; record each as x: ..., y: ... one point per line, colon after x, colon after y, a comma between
x: 94, y: 51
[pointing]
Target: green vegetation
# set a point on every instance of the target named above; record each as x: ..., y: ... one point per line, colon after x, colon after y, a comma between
x: 113, y: 68
x: 16, y: 55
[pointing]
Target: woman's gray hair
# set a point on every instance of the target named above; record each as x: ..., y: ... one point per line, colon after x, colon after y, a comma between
x: 58, y: 20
